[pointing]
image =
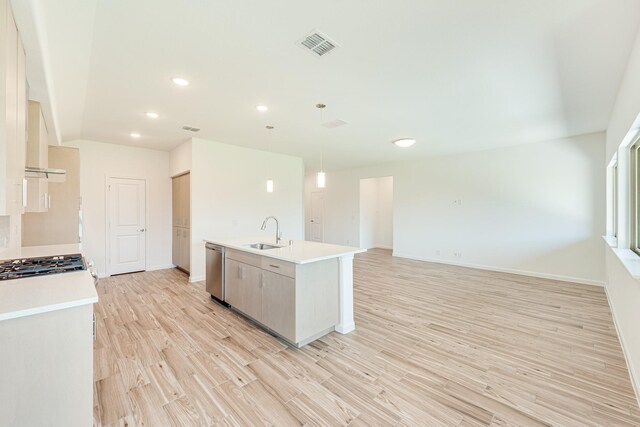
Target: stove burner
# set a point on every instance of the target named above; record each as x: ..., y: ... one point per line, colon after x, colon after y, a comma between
x: 29, y: 267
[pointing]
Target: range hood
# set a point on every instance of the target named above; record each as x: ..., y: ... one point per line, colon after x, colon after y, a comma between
x: 53, y: 175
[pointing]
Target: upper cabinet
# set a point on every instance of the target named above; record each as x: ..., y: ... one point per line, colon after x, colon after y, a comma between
x: 38, y: 198
x: 13, y: 96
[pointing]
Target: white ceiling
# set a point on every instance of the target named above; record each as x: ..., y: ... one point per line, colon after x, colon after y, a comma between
x: 456, y: 75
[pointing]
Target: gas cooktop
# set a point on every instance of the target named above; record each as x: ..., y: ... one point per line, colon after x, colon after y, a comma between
x: 29, y: 267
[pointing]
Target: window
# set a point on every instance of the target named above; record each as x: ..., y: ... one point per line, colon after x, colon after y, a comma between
x: 634, y: 200
x: 614, y: 201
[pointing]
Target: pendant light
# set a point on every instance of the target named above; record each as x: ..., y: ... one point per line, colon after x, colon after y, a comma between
x: 321, y: 181
x: 269, y: 180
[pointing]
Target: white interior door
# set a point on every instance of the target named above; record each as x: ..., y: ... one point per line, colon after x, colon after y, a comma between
x: 316, y: 227
x: 126, y: 225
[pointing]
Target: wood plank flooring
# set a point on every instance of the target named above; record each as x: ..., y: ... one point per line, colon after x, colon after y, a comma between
x: 435, y: 345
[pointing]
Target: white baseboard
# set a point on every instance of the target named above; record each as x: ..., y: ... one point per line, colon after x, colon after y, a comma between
x: 627, y: 357
x: 160, y: 267
x: 196, y: 278
x: 382, y: 247
x: 505, y: 270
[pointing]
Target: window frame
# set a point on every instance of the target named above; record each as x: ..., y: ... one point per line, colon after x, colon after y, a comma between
x: 634, y: 200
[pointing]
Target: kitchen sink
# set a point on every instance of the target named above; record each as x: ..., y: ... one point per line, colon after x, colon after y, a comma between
x: 261, y: 246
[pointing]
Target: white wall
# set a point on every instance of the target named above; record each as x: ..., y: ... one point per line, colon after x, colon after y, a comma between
x: 622, y: 289
x: 384, y: 218
x: 99, y: 161
x: 180, y: 159
x: 376, y: 212
x: 535, y: 208
x: 368, y: 211
x: 229, y: 197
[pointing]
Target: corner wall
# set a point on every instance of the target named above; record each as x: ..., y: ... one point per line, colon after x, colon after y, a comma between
x: 229, y: 197
x: 622, y: 289
x: 536, y: 209
x: 98, y: 161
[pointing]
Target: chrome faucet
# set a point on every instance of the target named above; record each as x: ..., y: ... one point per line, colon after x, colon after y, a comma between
x: 264, y: 226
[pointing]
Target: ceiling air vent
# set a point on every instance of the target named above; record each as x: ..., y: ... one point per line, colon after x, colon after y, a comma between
x: 190, y: 129
x: 334, y: 123
x: 317, y: 43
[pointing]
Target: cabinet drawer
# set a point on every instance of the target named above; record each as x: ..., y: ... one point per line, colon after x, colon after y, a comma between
x: 277, y: 266
x: 245, y: 257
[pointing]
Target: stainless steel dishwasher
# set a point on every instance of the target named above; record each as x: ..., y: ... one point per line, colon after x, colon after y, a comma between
x: 215, y: 272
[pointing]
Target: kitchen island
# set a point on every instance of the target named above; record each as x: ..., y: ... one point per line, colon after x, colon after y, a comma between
x: 46, y: 344
x: 299, y: 290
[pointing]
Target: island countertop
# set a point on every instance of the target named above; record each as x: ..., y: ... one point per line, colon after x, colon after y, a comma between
x: 33, y: 295
x: 299, y: 252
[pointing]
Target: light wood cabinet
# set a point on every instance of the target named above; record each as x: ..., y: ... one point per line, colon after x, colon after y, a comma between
x: 279, y: 304
x: 12, y: 114
x: 298, y: 302
x: 38, y: 197
x: 60, y: 224
x: 181, y: 213
x: 245, y: 282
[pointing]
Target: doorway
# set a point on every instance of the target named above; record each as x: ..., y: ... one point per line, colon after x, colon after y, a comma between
x: 376, y: 213
x: 316, y: 223
x: 126, y: 225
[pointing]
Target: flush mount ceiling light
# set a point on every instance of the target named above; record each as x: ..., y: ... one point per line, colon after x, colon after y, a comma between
x: 135, y: 135
x: 180, y: 81
x: 151, y: 115
x: 262, y: 108
x: 404, y: 142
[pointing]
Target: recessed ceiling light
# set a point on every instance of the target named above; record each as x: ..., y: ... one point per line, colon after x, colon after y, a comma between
x: 180, y: 81
x: 134, y: 135
x: 151, y: 115
x: 404, y: 142
x: 262, y: 108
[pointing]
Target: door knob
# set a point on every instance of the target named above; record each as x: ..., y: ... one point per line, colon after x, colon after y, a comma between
x: 142, y: 229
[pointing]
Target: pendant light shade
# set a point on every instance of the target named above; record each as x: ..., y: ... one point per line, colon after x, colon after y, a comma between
x: 269, y: 180
x: 321, y: 181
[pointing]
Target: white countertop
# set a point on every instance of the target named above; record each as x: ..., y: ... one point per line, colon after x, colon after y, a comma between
x: 300, y: 252
x: 33, y: 295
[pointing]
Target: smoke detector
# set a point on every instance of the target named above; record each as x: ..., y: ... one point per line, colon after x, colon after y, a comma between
x: 317, y: 44
x: 334, y: 123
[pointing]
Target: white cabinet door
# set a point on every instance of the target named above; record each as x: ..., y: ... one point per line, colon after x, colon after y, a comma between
x: 11, y: 154
x: 127, y: 225
x: 38, y: 197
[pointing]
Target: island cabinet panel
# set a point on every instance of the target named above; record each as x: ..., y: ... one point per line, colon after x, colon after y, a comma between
x: 243, y: 288
x: 298, y: 302
x: 317, y: 297
x: 279, y: 304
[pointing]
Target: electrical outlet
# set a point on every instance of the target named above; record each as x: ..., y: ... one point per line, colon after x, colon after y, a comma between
x: 234, y: 223
x: 348, y: 241
x: 438, y: 252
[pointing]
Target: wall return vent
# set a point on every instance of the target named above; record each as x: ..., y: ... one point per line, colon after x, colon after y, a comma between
x: 317, y: 44
x: 191, y: 129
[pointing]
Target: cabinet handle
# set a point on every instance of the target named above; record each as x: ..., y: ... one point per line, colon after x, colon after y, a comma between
x: 274, y: 266
x: 261, y: 280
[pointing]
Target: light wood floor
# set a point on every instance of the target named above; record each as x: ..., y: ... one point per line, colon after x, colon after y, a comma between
x: 435, y: 345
